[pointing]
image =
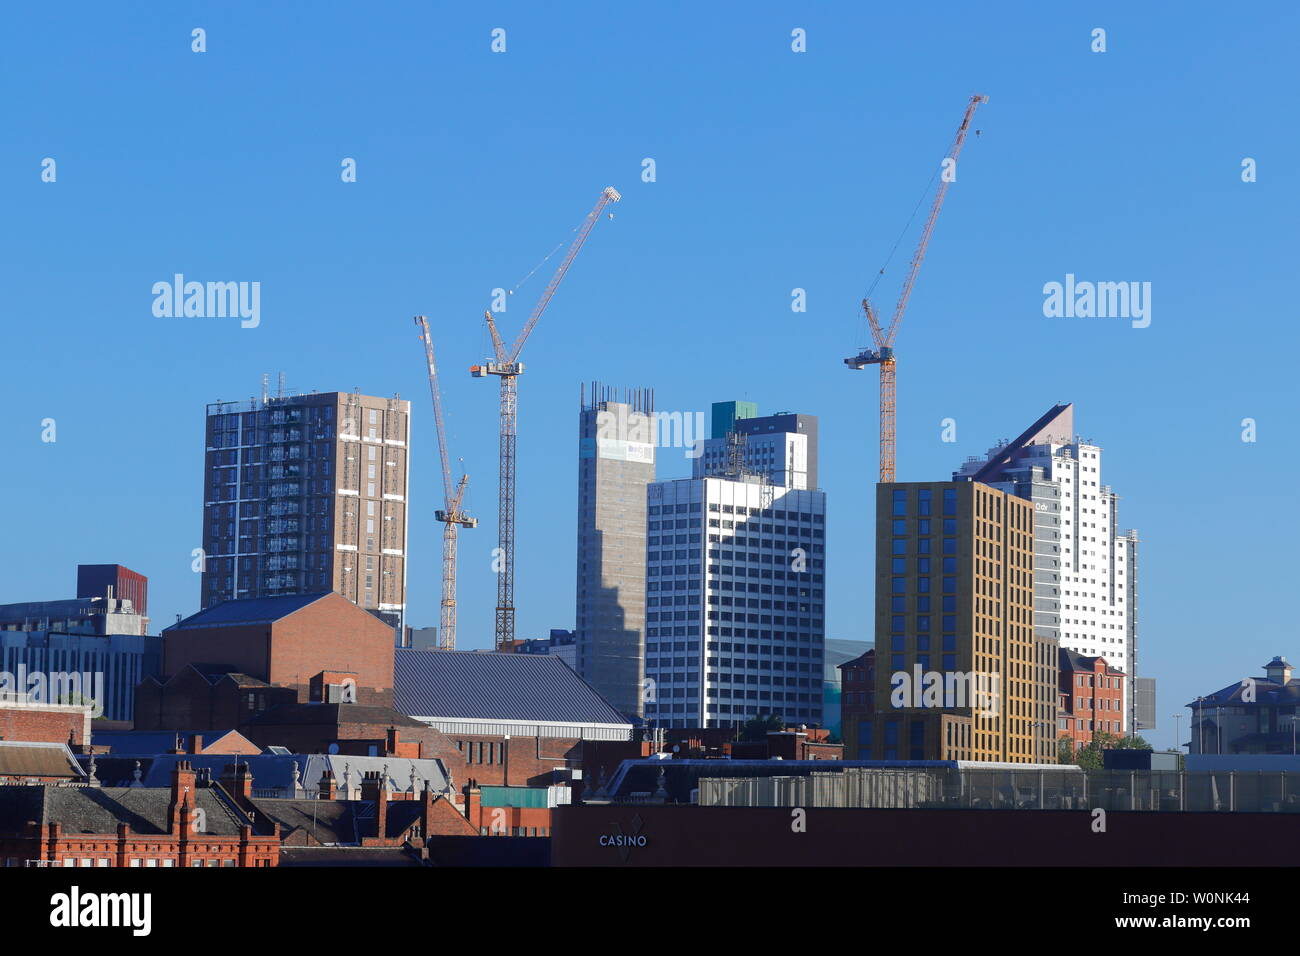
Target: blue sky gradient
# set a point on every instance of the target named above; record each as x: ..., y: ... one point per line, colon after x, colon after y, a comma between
x: 775, y: 171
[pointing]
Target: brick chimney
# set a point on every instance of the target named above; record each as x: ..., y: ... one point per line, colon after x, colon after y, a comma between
x: 183, y: 797
x: 237, y: 780
x: 474, y: 807
x: 327, y: 785
x: 427, y: 796
x: 374, y: 788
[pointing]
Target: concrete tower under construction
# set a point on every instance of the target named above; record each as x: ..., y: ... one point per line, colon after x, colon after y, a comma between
x: 616, y: 461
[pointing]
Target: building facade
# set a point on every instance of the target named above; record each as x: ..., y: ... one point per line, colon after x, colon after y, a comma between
x: 783, y: 447
x: 101, y: 670
x: 857, y: 704
x: 191, y: 823
x: 307, y: 493
x: 1255, y: 715
x: 94, y: 580
x: 616, y: 461
x: 561, y: 643
x: 735, y: 601
x: 1085, y: 567
x: 960, y: 673
x: 1092, y: 696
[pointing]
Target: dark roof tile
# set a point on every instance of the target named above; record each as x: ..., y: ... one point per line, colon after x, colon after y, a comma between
x: 248, y: 611
x: 495, y: 686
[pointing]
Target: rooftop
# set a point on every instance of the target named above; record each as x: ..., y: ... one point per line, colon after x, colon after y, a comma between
x: 248, y: 611
x: 491, y: 686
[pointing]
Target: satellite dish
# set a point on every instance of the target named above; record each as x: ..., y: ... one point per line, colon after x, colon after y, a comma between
x: 333, y: 749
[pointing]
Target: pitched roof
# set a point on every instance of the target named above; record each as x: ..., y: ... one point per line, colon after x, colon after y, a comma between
x: 328, y: 821
x: 275, y: 771
x: 100, y: 809
x: 1055, y: 425
x: 1075, y: 661
x: 1265, y: 693
x: 152, y: 742
x: 492, y: 686
x: 21, y: 758
x: 319, y: 713
x: 248, y: 611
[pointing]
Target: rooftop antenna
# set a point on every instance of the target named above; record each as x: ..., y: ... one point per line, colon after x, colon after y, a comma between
x: 280, y: 391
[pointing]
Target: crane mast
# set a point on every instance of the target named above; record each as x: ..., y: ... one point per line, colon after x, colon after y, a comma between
x: 883, y: 354
x: 506, y: 366
x: 452, y: 514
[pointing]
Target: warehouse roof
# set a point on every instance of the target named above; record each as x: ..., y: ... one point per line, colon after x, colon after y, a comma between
x: 248, y: 611
x: 493, y: 686
x: 23, y: 758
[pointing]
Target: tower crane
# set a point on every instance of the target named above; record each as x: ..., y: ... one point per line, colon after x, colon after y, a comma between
x: 883, y: 353
x: 452, y: 514
x: 508, y: 368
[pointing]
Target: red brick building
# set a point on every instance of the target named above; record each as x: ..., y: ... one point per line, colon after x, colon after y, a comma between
x: 301, y: 671
x: 509, y: 811
x: 857, y: 704
x: 191, y: 823
x: 380, y: 818
x: 1091, y: 698
x: 285, y: 641
x: 21, y: 719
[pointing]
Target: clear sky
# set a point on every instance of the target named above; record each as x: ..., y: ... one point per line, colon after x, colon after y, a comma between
x: 775, y: 170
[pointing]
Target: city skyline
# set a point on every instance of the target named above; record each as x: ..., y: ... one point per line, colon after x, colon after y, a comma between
x: 751, y: 181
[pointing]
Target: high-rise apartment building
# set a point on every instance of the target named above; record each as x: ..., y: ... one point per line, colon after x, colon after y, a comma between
x: 1085, y: 567
x: 735, y: 601
x: 306, y: 494
x: 960, y: 673
x: 783, y: 447
x: 616, y: 462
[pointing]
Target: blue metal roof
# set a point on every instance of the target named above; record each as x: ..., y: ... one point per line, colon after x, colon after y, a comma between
x: 249, y: 611
x: 492, y: 686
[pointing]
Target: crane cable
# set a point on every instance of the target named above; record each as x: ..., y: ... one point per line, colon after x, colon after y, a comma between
x: 897, y: 242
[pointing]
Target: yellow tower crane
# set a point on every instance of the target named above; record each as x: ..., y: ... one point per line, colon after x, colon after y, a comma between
x: 883, y: 354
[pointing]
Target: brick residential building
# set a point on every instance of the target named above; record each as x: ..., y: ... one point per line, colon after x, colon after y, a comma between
x: 857, y: 703
x: 1091, y: 698
x: 191, y: 823
x: 307, y: 493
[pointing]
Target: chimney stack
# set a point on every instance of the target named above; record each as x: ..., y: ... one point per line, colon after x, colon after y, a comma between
x: 374, y: 788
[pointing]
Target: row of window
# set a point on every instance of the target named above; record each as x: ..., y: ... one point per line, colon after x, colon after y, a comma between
x: 923, y: 501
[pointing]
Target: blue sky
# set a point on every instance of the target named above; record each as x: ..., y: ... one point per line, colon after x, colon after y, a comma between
x: 775, y: 171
